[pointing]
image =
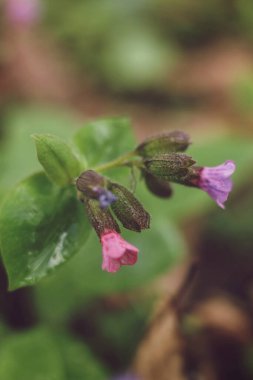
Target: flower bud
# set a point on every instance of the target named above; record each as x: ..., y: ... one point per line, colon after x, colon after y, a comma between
x: 101, y: 220
x: 170, y: 167
x: 156, y: 185
x: 88, y: 183
x: 128, y: 209
x: 176, y: 141
x: 92, y: 185
x: 57, y: 158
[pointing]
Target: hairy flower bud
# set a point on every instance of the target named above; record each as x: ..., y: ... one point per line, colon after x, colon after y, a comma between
x: 93, y: 185
x: 156, y: 185
x: 128, y: 209
x: 101, y: 220
x: 88, y: 183
x: 169, y: 167
x: 175, y: 141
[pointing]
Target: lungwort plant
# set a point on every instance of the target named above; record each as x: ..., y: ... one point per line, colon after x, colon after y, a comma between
x: 47, y: 218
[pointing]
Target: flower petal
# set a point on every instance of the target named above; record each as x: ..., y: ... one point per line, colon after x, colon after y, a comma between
x: 216, y: 181
x: 116, y: 252
x: 110, y: 265
x: 129, y: 258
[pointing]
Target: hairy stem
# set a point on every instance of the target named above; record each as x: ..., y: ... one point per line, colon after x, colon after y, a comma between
x: 124, y: 160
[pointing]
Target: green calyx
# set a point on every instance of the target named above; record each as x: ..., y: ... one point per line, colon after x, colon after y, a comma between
x: 156, y: 185
x: 101, y: 219
x: 128, y: 209
x: 58, y: 160
x: 170, y: 167
x: 175, y: 141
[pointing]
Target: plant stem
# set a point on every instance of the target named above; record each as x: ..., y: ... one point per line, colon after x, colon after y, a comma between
x: 123, y: 160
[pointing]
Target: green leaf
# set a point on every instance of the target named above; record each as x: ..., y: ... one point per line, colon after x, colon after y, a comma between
x: 57, y: 159
x: 38, y: 354
x: 30, y: 356
x: 103, y: 140
x: 17, y: 152
x: 41, y: 226
x: 78, y: 361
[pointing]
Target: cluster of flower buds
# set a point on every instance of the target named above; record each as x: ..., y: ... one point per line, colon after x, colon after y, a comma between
x: 100, y: 197
x: 165, y: 162
x: 161, y: 161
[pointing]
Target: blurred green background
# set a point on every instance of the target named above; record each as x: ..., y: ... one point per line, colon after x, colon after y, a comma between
x: 165, y: 64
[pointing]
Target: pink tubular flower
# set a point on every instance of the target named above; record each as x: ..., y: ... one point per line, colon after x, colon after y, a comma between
x: 23, y: 11
x: 116, y: 252
x: 216, y: 181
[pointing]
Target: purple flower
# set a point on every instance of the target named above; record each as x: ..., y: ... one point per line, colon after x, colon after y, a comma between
x: 216, y: 181
x: 23, y: 11
x: 106, y: 198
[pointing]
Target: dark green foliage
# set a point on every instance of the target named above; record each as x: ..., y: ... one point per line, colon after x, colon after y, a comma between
x: 41, y: 226
x: 40, y: 354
